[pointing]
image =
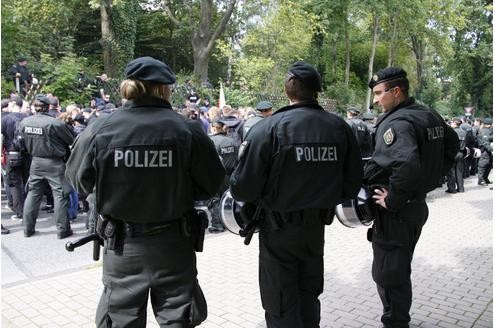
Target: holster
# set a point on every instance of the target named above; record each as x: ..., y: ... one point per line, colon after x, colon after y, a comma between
x: 112, y: 232
x: 195, y: 226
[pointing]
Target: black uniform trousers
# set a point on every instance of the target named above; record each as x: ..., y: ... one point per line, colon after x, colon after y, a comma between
x: 162, y: 266
x: 53, y: 171
x: 394, y: 239
x: 455, y: 176
x: 18, y: 176
x: 214, y: 206
x: 484, y: 166
x: 291, y: 272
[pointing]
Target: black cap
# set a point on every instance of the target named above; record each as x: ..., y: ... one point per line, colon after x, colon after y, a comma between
x: 149, y: 69
x: 368, y: 116
x: 353, y: 110
x: 264, y: 105
x: 307, y: 74
x: 387, y: 74
x: 488, y: 121
x: 218, y: 122
x: 21, y: 59
x: 43, y: 99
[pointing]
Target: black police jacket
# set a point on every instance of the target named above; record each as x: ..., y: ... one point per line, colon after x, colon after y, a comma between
x: 148, y: 163
x: 227, y: 150
x: 46, y: 136
x: 10, y: 122
x: 301, y: 157
x: 414, y: 148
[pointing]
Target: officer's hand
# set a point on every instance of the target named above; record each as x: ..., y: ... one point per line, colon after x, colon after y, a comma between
x: 379, y: 197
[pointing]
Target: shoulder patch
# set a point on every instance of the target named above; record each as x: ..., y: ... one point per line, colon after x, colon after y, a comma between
x: 389, y: 136
x: 242, y: 148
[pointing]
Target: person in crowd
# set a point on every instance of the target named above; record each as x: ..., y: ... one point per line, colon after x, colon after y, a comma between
x: 227, y: 151
x: 233, y: 124
x: 21, y: 76
x: 455, y: 176
x: 18, y: 159
x: 414, y: 148
x: 263, y: 109
x: 145, y: 180
x: 361, y: 132
x: 47, y: 140
x: 296, y: 165
x: 485, y: 141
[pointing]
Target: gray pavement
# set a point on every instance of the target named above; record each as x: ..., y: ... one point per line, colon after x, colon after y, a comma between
x: 45, y: 286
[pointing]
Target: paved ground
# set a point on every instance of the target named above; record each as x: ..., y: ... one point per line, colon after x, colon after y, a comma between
x: 45, y: 286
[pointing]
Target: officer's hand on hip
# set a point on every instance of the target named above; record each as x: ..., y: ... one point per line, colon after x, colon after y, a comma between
x: 379, y: 197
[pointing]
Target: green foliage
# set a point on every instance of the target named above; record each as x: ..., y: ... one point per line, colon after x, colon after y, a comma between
x: 61, y: 78
x: 124, y: 18
x: 238, y: 98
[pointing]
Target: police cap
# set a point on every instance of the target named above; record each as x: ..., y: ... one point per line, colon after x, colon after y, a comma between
x: 368, y: 116
x: 488, y: 121
x: 264, y: 105
x: 218, y: 123
x: 353, y: 110
x: 43, y: 99
x: 307, y: 74
x: 149, y: 69
x: 387, y: 74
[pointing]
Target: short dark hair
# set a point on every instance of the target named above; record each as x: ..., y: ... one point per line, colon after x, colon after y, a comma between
x: 296, y: 89
x: 402, y: 83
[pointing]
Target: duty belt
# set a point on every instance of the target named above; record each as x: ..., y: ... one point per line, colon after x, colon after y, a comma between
x: 133, y: 229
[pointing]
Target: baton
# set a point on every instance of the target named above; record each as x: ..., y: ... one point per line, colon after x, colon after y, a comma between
x: 70, y: 246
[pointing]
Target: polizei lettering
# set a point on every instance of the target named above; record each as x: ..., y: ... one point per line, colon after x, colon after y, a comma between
x: 435, y: 132
x: 33, y: 130
x: 316, y: 154
x: 143, y: 158
x: 227, y: 150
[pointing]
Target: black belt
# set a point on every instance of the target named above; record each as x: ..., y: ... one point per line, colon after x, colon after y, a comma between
x: 133, y: 229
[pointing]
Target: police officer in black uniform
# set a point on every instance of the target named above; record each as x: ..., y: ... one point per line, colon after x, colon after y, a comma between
x: 47, y: 141
x: 227, y: 150
x: 414, y: 147
x: 485, y: 141
x: 263, y: 109
x: 297, y: 165
x: 147, y: 164
x: 455, y: 176
x: 361, y: 131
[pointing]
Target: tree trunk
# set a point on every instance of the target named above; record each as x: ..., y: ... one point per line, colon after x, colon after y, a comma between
x: 418, y: 47
x: 347, y: 53
x: 204, y: 38
x: 372, y: 59
x: 107, y: 37
x: 393, y: 41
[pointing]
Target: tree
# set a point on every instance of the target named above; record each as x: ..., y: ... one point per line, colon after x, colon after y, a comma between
x: 205, y: 34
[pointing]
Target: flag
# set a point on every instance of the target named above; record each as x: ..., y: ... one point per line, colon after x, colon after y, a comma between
x: 221, y: 101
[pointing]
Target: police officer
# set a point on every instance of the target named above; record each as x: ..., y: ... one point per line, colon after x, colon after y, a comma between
x: 147, y: 164
x: 297, y: 165
x: 47, y: 141
x: 227, y: 150
x: 414, y: 147
x: 455, y: 176
x: 18, y: 160
x: 263, y: 109
x: 485, y: 141
x: 361, y: 131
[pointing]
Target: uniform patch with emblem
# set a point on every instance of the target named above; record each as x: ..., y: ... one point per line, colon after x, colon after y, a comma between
x: 243, y: 147
x: 389, y: 137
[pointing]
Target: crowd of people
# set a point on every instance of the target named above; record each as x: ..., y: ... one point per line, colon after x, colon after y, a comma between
x: 296, y: 163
